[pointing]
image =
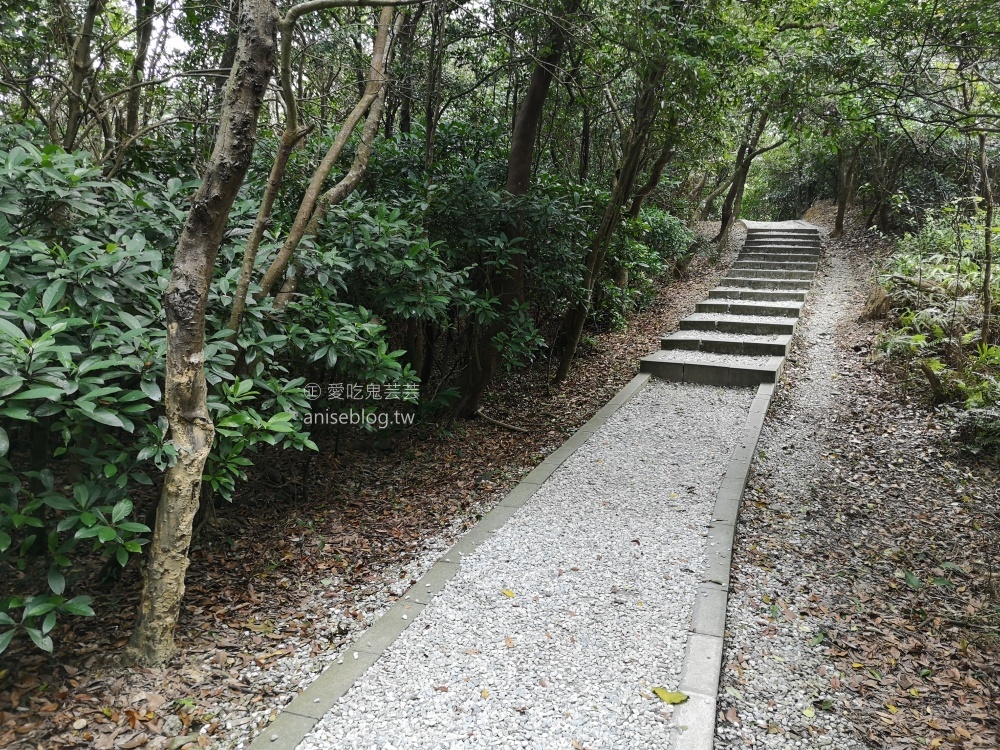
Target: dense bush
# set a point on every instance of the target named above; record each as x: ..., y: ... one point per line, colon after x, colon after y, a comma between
x: 646, y: 251
x: 85, y: 262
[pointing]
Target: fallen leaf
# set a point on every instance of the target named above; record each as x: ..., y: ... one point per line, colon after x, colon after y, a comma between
x: 508, y: 593
x: 509, y: 641
x: 671, y: 697
x: 485, y: 693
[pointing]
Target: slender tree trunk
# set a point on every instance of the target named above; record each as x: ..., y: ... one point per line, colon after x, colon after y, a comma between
x: 185, y: 299
x: 81, y: 66
x: 655, y: 175
x: 143, y: 35
x: 289, y: 139
x: 987, y: 192
x: 435, y: 64
x: 646, y: 109
x: 484, y: 358
x: 310, y: 204
x: 845, y: 188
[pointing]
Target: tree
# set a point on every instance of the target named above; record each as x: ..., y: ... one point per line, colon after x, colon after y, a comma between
x: 185, y: 392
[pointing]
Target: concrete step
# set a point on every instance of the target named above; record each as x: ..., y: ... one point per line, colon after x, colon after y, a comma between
x: 784, y: 231
x: 735, y: 292
x: 712, y: 369
x: 754, y: 256
x: 757, y: 324
x: 811, y: 254
x: 773, y: 345
x: 758, y: 283
x: 782, y: 242
x: 788, y: 309
x: 764, y: 265
x: 771, y: 273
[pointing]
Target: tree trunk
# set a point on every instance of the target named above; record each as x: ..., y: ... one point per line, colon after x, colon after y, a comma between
x: 646, y: 109
x: 435, y: 64
x: 143, y: 34
x: 844, y: 189
x: 81, y: 66
x: 289, y: 139
x: 655, y: 175
x: 185, y: 389
x: 309, y: 208
x: 484, y: 358
x: 984, y: 174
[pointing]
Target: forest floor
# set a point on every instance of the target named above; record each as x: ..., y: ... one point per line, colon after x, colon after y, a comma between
x: 865, y: 605
x: 310, y: 554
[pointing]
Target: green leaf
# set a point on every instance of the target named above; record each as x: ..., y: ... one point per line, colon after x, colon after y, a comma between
x: 668, y: 696
x: 5, y: 639
x: 942, y: 582
x: 11, y: 330
x: 53, y: 294
x: 10, y: 383
x: 42, y: 641
x: 49, y: 622
x: 911, y: 580
x: 37, y: 606
x: 4, y: 541
x: 42, y: 391
x: 106, y: 417
x: 122, y: 508
x: 135, y: 528
x: 106, y: 534
x: 57, y: 581
x: 4, y: 442
x: 79, y: 605
x: 151, y: 389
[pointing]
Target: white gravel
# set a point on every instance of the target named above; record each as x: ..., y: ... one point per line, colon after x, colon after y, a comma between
x: 710, y: 358
x: 777, y: 688
x: 603, y: 564
x: 694, y: 335
x: 729, y: 317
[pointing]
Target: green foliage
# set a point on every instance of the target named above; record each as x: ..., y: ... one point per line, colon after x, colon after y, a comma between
x: 646, y: 251
x: 938, y: 319
x: 441, y: 252
x: 85, y: 262
x: 784, y: 182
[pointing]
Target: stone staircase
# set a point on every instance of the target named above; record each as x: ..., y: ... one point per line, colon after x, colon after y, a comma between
x: 740, y: 335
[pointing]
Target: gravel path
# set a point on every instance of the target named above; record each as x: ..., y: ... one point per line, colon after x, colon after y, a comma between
x: 557, y: 628
x: 778, y: 688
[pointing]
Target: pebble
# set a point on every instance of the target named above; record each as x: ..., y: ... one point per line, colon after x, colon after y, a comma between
x: 593, y: 626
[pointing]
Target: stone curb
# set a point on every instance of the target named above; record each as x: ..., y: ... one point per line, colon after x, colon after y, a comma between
x: 298, y: 718
x: 695, y: 718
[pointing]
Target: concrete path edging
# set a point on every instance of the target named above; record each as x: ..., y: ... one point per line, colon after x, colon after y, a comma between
x: 695, y: 718
x: 298, y: 718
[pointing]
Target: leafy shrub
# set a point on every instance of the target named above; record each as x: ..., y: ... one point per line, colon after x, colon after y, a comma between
x: 85, y: 262
x: 643, y: 253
